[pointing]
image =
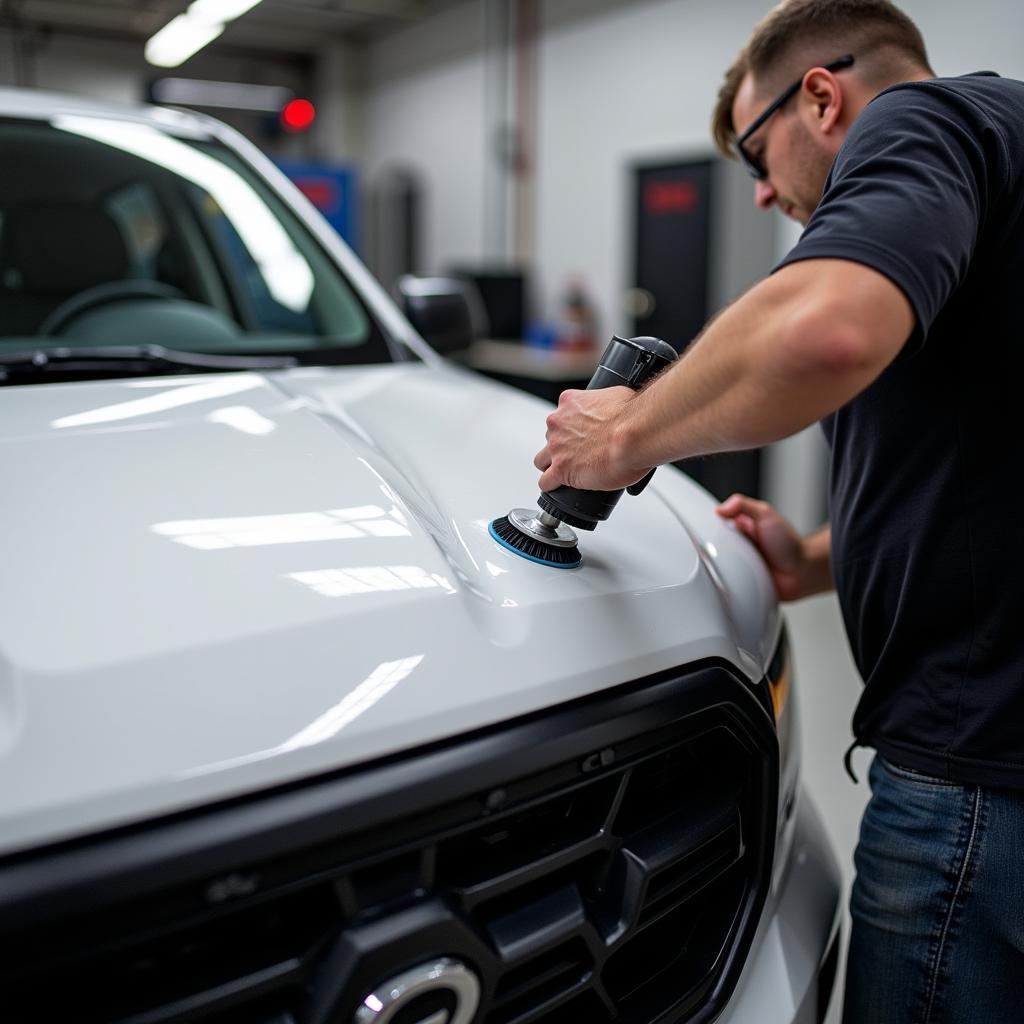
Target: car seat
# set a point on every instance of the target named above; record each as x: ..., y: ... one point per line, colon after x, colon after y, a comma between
x: 49, y: 251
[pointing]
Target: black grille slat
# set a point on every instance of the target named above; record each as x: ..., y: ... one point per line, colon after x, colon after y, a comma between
x: 528, y: 989
x: 389, y: 884
x: 539, y: 924
x: 167, y: 975
x: 289, y: 973
x: 673, y: 959
x: 538, y: 1003
x: 672, y: 860
x: 501, y: 885
x: 681, y: 881
x: 587, y: 1007
x: 540, y: 831
x: 613, y: 873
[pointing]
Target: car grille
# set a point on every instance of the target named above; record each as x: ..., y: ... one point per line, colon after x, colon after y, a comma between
x: 606, y: 861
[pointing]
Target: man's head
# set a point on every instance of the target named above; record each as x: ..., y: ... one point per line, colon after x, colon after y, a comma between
x: 791, y: 95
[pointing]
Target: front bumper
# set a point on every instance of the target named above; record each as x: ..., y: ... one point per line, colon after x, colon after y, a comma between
x: 789, y: 974
x: 605, y: 861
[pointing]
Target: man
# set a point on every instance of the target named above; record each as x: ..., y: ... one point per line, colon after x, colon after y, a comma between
x: 896, y: 321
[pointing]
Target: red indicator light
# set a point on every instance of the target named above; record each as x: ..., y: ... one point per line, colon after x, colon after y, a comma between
x: 298, y: 115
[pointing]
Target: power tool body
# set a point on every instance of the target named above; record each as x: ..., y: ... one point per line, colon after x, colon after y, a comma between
x: 544, y: 536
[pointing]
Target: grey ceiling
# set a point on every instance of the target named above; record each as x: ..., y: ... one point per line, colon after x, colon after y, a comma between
x: 286, y: 26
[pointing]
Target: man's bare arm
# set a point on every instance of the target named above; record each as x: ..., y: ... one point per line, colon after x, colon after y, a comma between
x: 793, y: 349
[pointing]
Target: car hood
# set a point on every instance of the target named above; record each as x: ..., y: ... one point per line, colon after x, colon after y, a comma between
x: 214, y: 584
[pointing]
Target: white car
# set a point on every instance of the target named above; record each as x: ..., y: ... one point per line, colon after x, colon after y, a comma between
x: 286, y: 737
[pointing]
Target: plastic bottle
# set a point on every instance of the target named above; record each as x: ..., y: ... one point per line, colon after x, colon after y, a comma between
x: 578, y: 330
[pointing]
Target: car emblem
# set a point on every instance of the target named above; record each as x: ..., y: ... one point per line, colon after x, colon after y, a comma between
x: 435, y: 977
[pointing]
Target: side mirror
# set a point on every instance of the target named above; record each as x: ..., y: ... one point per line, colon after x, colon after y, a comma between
x: 444, y: 310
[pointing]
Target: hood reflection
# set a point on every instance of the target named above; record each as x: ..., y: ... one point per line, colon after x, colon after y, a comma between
x: 384, y: 678
x: 289, y: 528
x: 172, y: 398
x: 370, y: 579
x: 244, y: 419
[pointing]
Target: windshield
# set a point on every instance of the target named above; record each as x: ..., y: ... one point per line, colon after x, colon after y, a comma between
x: 116, y: 233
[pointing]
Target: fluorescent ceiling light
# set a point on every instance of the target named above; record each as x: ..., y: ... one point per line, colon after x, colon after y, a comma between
x: 221, y: 10
x: 188, y: 33
x: 179, y: 39
x: 194, y: 92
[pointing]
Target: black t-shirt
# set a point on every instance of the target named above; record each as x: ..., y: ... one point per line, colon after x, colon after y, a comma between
x: 927, y: 477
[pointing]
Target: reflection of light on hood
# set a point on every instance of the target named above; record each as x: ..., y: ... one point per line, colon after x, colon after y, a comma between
x: 465, y: 546
x: 243, y: 418
x: 370, y: 579
x: 170, y: 399
x: 386, y: 489
x: 290, y: 528
x: 384, y: 678
x: 287, y: 274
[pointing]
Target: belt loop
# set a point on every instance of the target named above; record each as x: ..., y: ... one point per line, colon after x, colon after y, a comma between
x: 847, y: 763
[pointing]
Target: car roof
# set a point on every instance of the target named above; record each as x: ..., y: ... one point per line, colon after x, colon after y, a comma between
x: 37, y: 104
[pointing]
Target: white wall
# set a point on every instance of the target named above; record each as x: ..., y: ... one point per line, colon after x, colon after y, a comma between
x: 633, y: 84
x: 339, y: 132
x: 424, y: 110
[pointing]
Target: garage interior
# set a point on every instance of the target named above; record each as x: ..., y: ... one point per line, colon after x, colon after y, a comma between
x: 554, y: 155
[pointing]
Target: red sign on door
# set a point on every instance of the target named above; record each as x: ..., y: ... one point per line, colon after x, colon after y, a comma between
x: 661, y: 197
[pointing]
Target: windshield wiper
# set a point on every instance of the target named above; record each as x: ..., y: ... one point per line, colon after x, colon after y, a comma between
x: 86, y: 360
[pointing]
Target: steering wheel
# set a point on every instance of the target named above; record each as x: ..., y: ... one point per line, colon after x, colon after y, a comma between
x: 104, y: 295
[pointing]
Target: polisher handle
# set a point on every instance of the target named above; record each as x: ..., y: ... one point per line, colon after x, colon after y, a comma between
x: 626, y: 361
x: 632, y: 362
x: 635, y: 489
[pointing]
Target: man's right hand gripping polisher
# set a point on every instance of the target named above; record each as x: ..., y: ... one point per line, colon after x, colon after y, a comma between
x: 544, y: 536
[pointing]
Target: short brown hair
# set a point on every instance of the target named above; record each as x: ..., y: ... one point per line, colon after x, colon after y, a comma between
x: 797, y: 33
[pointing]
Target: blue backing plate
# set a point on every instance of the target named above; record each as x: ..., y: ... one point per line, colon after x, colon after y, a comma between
x: 531, y: 558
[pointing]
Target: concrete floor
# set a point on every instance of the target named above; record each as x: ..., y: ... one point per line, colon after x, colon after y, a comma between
x: 829, y: 687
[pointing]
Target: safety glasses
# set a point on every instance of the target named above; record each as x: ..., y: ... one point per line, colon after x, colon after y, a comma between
x: 751, y: 162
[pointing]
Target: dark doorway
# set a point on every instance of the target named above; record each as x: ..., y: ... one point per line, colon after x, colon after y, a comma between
x: 675, y: 209
x: 673, y: 226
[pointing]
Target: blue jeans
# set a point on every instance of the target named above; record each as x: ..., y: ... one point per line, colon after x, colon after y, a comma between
x: 937, y: 904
